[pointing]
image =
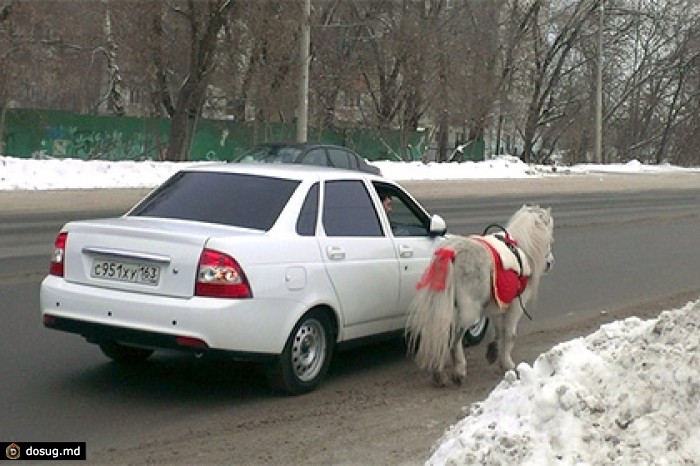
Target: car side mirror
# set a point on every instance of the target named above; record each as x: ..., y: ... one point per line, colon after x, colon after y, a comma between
x: 438, y: 226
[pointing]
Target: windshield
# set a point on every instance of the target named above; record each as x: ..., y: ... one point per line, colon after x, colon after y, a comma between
x: 247, y: 201
x: 270, y: 154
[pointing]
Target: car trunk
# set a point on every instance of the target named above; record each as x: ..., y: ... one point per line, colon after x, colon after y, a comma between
x: 145, y: 255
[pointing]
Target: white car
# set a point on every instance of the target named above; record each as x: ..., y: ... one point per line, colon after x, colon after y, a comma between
x: 277, y: 264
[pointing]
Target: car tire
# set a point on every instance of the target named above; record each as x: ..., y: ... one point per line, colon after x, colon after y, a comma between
x: 476, y: 333
x: 306, y: 357
x: 124, y: 354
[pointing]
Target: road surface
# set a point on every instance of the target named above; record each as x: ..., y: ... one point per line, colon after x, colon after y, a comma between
x: 627, y: 249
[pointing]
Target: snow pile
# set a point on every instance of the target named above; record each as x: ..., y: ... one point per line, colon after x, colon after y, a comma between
x: 628, y: 393
x: 35, y: 174
x: 500, y: 167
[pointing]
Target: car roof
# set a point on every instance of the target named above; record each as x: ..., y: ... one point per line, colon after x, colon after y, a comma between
x: 289, y: 171
x: 301, y: 145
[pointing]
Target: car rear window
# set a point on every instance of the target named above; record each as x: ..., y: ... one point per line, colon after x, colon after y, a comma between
x: 247, y: 201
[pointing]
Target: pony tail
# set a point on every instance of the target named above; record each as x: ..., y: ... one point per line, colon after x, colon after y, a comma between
x: 431, y: 315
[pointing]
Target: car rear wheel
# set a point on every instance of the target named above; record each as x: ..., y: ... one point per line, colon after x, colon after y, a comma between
x: 124, y: 354
x: 476, y: 332
x: 306, y: 357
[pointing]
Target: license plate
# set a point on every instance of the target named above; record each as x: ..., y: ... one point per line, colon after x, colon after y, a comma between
x: 131, y: 272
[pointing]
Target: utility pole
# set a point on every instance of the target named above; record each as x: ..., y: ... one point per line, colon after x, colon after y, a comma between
x: 305, y: 59
x: 599, y: 89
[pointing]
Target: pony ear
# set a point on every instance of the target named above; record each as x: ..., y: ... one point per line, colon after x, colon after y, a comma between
x: 545, y: 216
x: 549, y: 220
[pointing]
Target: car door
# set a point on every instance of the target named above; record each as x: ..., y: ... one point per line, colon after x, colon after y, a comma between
x: 360, y: 258
x: 408, y: 225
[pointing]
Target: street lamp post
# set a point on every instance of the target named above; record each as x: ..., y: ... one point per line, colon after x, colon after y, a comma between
x: 599, y: 89
x: 304, y: 47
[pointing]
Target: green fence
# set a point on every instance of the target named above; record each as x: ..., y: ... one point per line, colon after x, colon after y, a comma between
x: 54, y: 133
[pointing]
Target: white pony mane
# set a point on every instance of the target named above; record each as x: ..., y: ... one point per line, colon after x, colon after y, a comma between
x: 533, y: 227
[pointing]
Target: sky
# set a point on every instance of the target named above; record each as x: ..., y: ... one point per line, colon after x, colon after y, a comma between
x: 628, y: 393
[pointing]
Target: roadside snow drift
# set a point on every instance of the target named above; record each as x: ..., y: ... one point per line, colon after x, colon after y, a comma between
x: 626, y: 394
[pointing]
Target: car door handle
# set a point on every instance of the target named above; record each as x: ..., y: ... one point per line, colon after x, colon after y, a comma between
x: 335, y: 253
x: 405, y: 251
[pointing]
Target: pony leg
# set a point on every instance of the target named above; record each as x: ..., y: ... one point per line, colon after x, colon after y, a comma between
x: 507, y: 339
x: 455, y: 367
x: 439, y: 375
x: 492, y: 350
x: 468, y: 308
x: 459, y: 361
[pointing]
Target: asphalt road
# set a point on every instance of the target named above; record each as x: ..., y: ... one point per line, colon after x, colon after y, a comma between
x: 616, y: 249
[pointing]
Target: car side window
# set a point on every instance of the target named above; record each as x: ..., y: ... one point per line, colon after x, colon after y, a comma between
x: 340, y: 158
x: 352, y: 160
x: 306, y: 223
x: 405, y: 218
x: 348, y: 210
x: 315, y: 157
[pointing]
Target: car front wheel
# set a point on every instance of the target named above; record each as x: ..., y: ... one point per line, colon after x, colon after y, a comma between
x: 306, y: 357
x: 476, y: 332
x: 124, y: 354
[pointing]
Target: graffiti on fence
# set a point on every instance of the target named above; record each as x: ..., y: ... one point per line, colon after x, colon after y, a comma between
x: 62, y: 134
x: 69, y: 141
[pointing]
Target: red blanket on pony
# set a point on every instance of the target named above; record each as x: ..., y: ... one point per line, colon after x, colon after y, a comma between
x: 509, y: 277
x: 507, y: 281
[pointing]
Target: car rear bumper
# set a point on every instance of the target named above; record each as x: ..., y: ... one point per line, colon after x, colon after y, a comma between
x: 97, y: 333
x: 242, y: 326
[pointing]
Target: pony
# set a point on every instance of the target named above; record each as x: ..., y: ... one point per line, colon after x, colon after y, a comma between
x: 460, y: 285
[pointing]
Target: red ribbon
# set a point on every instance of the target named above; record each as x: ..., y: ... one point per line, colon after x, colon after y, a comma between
x: 435, y: 277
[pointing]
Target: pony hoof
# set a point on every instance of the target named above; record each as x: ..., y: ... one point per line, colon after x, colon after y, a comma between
x: 507, y: 365
x: 492, y: 352
x: 508, y: 368
x: 439, y: 380
x: 458, y: 379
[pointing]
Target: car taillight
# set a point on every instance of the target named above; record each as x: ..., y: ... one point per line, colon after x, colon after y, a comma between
x: 59, y: 255
x: 220, y: 276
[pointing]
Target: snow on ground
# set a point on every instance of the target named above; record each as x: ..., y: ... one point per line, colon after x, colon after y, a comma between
x: 41, y: 174
x: 626, y: 394
x: 35, y: 174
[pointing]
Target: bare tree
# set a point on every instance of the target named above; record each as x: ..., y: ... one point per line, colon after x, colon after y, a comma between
x: 44, y: 62
x: 53, y: 59
x: 656, y: 56
x: 7, y: 47
x: 204, y: 20
x: 467, y: 69
x: 553, y: 37
x: 383, y: 58
x: 114, y: 97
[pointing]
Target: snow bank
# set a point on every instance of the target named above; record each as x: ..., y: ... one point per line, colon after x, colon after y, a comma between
x: 629, y: 392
